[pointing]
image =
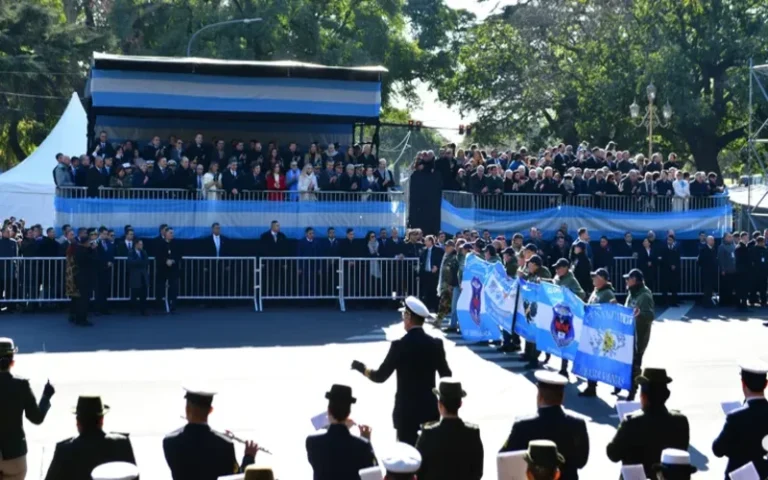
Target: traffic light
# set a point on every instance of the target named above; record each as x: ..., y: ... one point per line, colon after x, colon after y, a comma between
x: 469, y: 130
x: 410, y: 124
x: 461, y: 129
x: 418, y: 126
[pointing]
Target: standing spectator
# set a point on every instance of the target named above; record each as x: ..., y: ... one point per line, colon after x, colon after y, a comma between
x: 707, y: 262
x: 106, y: 260
x: 559, y: 249
x: 307, y: 184
x: 140, y: 177
x: 229, y: 179
x: 430, y: 259
x: 177, y: 150
x: 81, y: 175
x: 603, y: 255
x: 369, y: 183
x: 477, y: 181
x: 96, y: 178
x: 313, y: 157
x: 682, y: 191
x: 759, y: 257
x: 726, y: 261
x: 743, y: 273
x: 385, y: 176
x: 647, y: 262
x: 62, y: 174
x: 125, y: 245
x: 198, y: 152
x: 168, y: 260
x: 198, y: 180
x: 154, y: 150
x: 309, y: 270
x: 138, y: 275
x: 349, y: 182
x: 122, y: 180
x: 161, y: 175
x: 671, y: 162
x: 184, y: 177
x: 219, y: 155
x: 8, y: 249
x: 80, y: 261
x: 670, y: 271
x: 253, y: 182
x: 276, y: 184
x: 583, y: 236
x: 292, y: 179
x: 582, y: 267
x: 273, y: 243
x: 103, y: 148
x: 327, y: 181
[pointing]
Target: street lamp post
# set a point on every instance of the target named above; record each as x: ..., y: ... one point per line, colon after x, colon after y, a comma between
x: 651, y: 118
x: 218, y: 24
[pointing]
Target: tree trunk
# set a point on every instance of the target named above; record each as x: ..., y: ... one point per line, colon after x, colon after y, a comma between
x: 705, y: 150
x: 13, y: 139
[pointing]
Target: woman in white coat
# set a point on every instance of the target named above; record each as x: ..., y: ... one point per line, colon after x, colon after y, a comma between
x: 307, y: 183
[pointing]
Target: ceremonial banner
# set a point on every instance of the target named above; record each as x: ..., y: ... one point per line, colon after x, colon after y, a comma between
x: 481, y: 301
x: 607, y: 345
x: 599, y: 339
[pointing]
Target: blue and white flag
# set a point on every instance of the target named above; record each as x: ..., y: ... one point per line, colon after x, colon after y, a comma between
x: 607, y: 345
x: 559, y: 319
x: 527, y: 308
x: 476, y: 306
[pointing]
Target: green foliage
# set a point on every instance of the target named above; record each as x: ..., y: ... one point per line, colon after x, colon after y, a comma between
x: 569, y: 69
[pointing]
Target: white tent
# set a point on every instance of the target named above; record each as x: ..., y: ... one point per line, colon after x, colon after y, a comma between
x: 27, y: 190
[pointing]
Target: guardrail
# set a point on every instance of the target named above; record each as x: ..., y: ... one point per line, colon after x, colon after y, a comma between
x: 526, y: 202
x: 43, y: 280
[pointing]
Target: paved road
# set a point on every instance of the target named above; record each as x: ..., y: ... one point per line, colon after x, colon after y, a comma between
x: 272, y: 369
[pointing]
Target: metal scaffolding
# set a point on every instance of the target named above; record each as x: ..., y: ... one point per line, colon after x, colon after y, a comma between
x: 756, y: 136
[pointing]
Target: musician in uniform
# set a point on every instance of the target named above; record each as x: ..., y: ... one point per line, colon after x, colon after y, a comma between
x: 196, y: 450
x: 551, y: 422
x: 642, y: 436
x: 450, y: 448
x: 76, y: 457
x: 675, y: 465
x: 115, y: 471
x: 334, y: 453
x: 544, y: 461
x: 17, y: 401
x: 744, y: 429
x: 401, y: 462
x: 602, y: 293
x: 416, y: 358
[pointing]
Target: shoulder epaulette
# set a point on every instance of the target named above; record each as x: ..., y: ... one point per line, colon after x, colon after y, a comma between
x: 430, y: 425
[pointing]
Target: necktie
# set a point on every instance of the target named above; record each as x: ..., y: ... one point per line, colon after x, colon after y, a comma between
x: 199, y: 182
x: 130, y: 245
x: 428, y: 265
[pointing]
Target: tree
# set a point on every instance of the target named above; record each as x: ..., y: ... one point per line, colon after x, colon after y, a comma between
x: 573, y: 67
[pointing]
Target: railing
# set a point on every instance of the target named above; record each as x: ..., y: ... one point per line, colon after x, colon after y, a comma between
x: 525, y: 202
x: 43, y: 280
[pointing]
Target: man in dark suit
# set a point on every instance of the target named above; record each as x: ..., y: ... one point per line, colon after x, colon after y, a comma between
x: 707, y: 262
x: 102, y: 147
x: 184, y: 177
x: 16, y: 402
x: 216, y: 272
x: 161, y: 175
x: 746, y: 427
x: 273, y: 243
x: 551, y: 422
x: 125, y: 245
x: 95, y: 177
x: 229, y: 179
x: 642, y: 436
x: 168, y: 260
x: 416, y: 358
x: 199, y: 452
x: 198, y: 151
x: 429, y: 270
x: 450, y: 448
x: 349, y: 248
x: 329, y: 247
x: 670, y: 271
x: 334, y: 453
x: 105, y: 254
x: 138, y: 275
x: 309, y: 270
x: 76, y: 457
x: 8, y: 249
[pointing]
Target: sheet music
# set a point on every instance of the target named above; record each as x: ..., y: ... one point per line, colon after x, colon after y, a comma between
x: 633, y: 472
x: 728, y: 407
x: 320, y: 420
x: 512, y: 465
x: 747, y: 472
x: 625, y: 408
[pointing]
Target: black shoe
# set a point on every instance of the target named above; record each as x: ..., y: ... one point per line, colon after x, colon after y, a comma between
x: 508, y: 348
x: 532, y: 364
x: 588, y: 392
x: 631, y: 395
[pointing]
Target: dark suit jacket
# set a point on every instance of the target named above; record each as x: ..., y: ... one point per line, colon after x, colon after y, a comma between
x: 210, y: 247
x: 160, y: 179
x: 335, y: 454
x: 707, y: 262
x: 184, y: 178
x: 309, y: 249
x: 553, y: 423
x: 196, y: 451
x: 121, y: 249
x: 435, y: 259
x: 168, y: 251
x: 76, y: 457
x: 328, y: 248
x: 94, y: 180
x: 107, y: 151
x: 8, y: 248
x: 642, y: 436
x: 392, y: 248
x: 670, y: 258
x: 16, y: 400
x: 741, y: 437
x: 229, y: 181
x: 450, y: 448
x: 416, y: 358
x: 273, y: 247
x: 138, y: 269
x: 349, y: 248
x: 105, y: 255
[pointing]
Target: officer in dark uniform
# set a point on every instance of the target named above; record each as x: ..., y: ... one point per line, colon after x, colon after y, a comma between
x: 744, y: 430
x: 199, y: 452
x: 76, y: 457
x: 642, y: 436
x: 416, y: 357
x: 675, y: 465
x: 551, y: 422
x: 334, y: 453
x: 168, y: 258
x: 543, y: 459
x: 743, y: 272
x: 17, y: 401
x: 450, y: 448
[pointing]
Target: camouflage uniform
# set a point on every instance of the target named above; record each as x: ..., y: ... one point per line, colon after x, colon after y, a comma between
x: 640, y: 297
x: 569, y: 281
x: 449, y: 279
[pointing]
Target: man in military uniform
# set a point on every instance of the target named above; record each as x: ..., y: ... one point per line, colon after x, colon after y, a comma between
x: 642, y: 436
x: 196, y: 450
x: 543, y: 459
x: 76, y: 457
x: 602, y: 293
x: 168, y: 259
x: 564, y: 278
x: 675, y: 465
x: 450, y: 448
x: 551, y: 422
x: 447, y: 281
x: 16, y: 402
x: 640, y: 300
x: 416, y: 358
x: 744, y: 429
x: 334, y: 453
x: 401, y: 462
x: 534, y: 272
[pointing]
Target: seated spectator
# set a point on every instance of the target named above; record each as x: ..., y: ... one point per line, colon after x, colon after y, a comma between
x: 307, y: 184
x: 122, y: 178
x: 161, y: 176
x: 154, y: 150
x: 699, y: 187
x: 349, y: 182
x: 229, y: 179
x: 140, y: 177
x: 384, y: 175
x: 253, y: 181
x: 276, y: 182
x: 292, y: 179
x: 212, y: 185
x: 477, y: 181
x: 184, y: 177
x: 369, y: 182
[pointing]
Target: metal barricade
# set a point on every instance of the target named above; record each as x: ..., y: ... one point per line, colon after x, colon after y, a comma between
x: 32, y: 279
x: 218, y: 278
x: 120, y: 289
x: 690, y: 278
x: 292, y: 278
x: 506, y: 202
x: 621, y: 266
x: 379, y: 278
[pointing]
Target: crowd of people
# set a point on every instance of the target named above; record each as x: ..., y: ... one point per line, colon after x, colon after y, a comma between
x: 595, y: 172
x: 220, y: 171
